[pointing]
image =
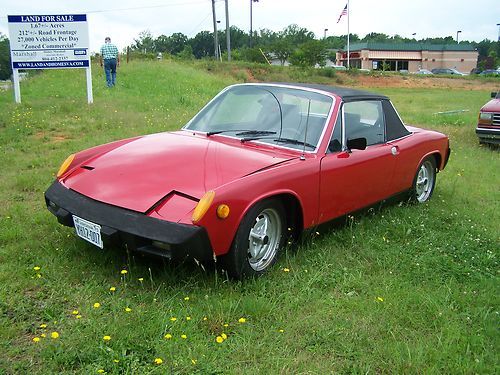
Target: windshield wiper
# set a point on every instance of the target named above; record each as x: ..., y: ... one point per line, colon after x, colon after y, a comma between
x: 241, y: 132
x: 294, y: 142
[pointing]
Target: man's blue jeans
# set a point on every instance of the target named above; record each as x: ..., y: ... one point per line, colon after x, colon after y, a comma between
x: 110, y: 70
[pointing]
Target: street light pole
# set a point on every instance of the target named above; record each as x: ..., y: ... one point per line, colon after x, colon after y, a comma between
x: 324, y: 36
x: 458, y: 32
x: 498, y: 24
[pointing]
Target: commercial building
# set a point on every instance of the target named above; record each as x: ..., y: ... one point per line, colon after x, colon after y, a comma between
x: 409, y: 56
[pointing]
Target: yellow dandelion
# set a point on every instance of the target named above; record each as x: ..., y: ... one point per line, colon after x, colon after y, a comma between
x: 242, y: 320
x: 286, y: 269
x: 36, y: 339
x: 101, y: 371
x: 158, y: 361
x: 141, y: 279
x: 116, y: 360
x: 380, y: 299
x: 219, y: 340
x: 54, y: 335
x: 112, y: 289
x: 43, y: 325
x: 224, y: 336
x: 37, y: 268
x: 168, y: 336
x: 78, y: 317
x: 226, y: 325
x: 128, y: 309
x: 43, y: 335
x: 188, y: 318
x: 123, y: 272
x: 38, y: 275
x: 193, y: 361
x: 184, y: 337
x: 97, y: 305
x: 106, y: 338
x: 281, y: 330
x: 205, y: 318
x: 173, y: 319
x: 74, y: 312
x: 186, y: 298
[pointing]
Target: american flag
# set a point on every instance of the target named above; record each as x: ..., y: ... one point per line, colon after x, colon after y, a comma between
x: 344, y: 13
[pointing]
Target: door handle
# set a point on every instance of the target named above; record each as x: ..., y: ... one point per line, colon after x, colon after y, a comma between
x: 394, y: 150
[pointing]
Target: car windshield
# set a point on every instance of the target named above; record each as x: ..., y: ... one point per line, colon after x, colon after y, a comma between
x: 282, y: 116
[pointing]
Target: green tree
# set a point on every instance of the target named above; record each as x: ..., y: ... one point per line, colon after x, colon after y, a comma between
x: 144, y: 43
x: 5, y: 63
x: 281, y: 48
x: 202, y: 44
x: 309, y: 54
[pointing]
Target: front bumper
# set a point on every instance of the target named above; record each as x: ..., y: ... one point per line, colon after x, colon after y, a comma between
x: 488, y: 135
x: 137, y: 231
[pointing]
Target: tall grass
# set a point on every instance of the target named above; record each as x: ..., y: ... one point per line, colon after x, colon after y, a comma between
x: 403, y: 289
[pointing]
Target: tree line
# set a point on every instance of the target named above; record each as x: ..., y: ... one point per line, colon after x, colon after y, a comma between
x: 294, y: 44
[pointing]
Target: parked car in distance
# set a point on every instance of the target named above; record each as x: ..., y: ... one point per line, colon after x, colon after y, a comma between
x: 423, y: 71
x: 450, y: 71
x: 488, y: 124
x: 258, y: 165
x: 490, y: 72
x: 339, y: 67
x: 475, y: 71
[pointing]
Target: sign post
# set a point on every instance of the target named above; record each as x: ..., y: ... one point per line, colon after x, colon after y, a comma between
x: 49, y: 42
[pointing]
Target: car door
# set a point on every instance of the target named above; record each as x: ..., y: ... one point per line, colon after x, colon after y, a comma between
x: 353, y: 179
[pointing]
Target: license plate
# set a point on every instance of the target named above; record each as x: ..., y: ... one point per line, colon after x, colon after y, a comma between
x: 89, y: 231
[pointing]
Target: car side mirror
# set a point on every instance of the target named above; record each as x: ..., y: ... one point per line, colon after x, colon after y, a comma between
x: 356, y: 144
x: 494, y: 95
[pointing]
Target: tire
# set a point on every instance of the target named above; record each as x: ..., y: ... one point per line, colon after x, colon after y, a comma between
x: 424, y: 181
x: 258, y: 240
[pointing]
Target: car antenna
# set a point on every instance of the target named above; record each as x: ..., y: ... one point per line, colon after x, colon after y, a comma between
x: 303, y: 157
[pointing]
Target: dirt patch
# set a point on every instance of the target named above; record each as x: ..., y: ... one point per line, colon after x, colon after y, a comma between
x: 424, y: 82
x: 55, y: 138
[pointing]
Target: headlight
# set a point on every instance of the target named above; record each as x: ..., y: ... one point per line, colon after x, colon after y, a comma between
x: 485, y: 116
x: 203, y: 205
x: 65, y: 165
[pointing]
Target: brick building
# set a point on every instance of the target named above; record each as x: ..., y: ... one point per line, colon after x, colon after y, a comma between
x: 409, y: 56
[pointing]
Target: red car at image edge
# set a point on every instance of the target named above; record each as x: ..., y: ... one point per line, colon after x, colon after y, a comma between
x: 260, y: 163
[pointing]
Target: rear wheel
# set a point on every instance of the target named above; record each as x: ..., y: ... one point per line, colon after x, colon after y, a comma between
x: 424, y: 181
x: 258, y: 240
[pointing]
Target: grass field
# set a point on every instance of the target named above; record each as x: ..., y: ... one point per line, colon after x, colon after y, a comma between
x: 407, y: 289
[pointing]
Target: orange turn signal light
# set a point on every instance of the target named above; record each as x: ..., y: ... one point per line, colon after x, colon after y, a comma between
x: 65, y: 165
x: 223, y: 211
x: 203, y: 205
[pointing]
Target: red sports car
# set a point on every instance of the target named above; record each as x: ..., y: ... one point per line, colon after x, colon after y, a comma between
x: 258, y: 163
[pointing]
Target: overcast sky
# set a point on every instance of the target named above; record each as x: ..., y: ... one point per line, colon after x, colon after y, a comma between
x: 124, y: 19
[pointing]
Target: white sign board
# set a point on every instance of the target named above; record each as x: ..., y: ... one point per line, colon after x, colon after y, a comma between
x: 49, y: 41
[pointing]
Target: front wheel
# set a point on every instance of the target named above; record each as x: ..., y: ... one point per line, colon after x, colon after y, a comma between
x: 258, y: 240
x: 424, y: 181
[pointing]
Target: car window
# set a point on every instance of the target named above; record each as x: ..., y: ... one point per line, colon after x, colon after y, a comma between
x: 365, y: 119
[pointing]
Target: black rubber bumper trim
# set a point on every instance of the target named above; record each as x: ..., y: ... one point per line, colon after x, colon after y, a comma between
x: 186, y: 240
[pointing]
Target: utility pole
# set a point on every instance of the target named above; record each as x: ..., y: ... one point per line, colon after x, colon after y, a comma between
x: 251, y: 21
x: 216, y: 39
x: 458, y: 32
x: 228, y: 36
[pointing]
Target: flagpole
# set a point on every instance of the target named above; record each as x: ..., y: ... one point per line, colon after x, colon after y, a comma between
x: 348, y: 53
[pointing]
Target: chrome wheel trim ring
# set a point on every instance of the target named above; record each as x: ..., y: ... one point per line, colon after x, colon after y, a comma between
x: 264, y: 239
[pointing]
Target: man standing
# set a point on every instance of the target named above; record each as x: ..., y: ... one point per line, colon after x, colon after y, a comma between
x: 111, y: 57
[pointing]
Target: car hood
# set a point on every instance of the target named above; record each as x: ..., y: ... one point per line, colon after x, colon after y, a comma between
x: 139, y: 174
x: 492, y: 106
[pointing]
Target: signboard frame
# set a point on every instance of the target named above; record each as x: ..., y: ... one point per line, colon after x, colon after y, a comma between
x: 59, y: 41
